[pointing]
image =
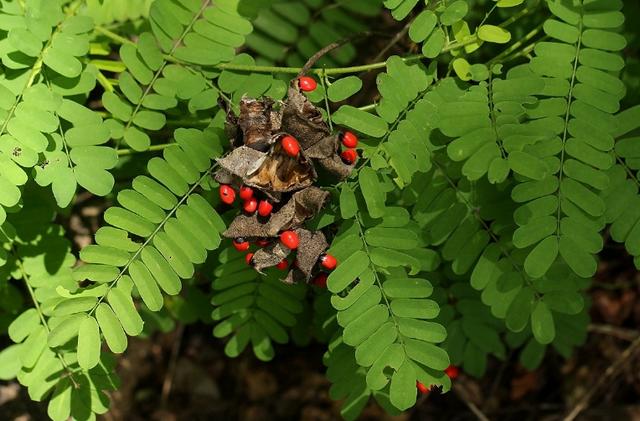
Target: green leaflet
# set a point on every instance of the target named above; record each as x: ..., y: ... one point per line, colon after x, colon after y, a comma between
x: 88, y: 343
x: 542, y: 323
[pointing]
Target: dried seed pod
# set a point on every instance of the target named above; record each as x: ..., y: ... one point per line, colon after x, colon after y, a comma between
x: 257, y: 123
x: 270, y: 256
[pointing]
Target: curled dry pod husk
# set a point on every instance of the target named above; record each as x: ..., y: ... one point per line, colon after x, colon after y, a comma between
x: 269, y: 256
x: 258, y: 122
x: 312, y: 245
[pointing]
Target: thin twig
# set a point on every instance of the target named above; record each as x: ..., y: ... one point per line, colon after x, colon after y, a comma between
x: 327, y: 49
x: 625, y: 358
x: 396, y: 38
x: 462, y: 394
x: 618, y: 332
x: 167, y: 384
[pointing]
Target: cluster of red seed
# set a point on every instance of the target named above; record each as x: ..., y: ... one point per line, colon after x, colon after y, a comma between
x: 452, y: 372
x: 288, y: 238
x: 252, y: 204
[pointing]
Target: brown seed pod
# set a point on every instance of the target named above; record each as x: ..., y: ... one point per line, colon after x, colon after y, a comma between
x: 259, y: 161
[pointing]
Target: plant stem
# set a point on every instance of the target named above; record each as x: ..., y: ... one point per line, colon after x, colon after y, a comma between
x: 152, y: 148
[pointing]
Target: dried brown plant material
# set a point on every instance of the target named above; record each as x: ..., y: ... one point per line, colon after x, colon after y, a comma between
x: 312, y: 245
x: 258, y: 121
x: 302, y: 206
x: 269, y: 256
x: 281, y: 173
x: 302, y: 119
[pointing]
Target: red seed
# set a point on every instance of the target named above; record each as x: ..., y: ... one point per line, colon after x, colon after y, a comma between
x: 227, y: 194
x: 422, y: 388
x: 290, y: 146
x: 290, y: 239
x: 452, y: 371
x: 320, y: 280
x: 265, y: 208
x: 349, y: 140
x: 263, y: 242
x: 248, y: 258
x: 328, y: 261
x: 250, y: 205
x: 349, y: 156
x: 307, y: 83
x: 283, y: 265
x: 246, y: 192
x: 241, y: 244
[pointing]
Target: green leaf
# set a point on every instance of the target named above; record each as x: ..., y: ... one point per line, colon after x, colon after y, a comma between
x: 372, y: 192
x: 423, y: 25
x: 343, y: 88
x: 541, y: 257
x: 359, y: 120
x: 126, y: 312
x: 428, y: 354
x: 393, y: 238
x: 579, y: 260
x: 74, y: 305
x: 88, y: 343
x: 62, y: 62
x: 542, y: 324
x: 111, y: 329
x: 98, y: 181
x: 462, y: 68
x: 454, y: 12
x: 10, y: 362
x: 66, y: 330
x: 567, y: 302
x: 407, y: 288
x: 59, y: 407
x: 509, y: 3
x: 146, y: 285
x: 104, y: 255
x: 348, y: 204
x: 23, y: 325
x: 496, y: 34
x: 347, y: 271
x: 520, y: 310
x: 403, y: 391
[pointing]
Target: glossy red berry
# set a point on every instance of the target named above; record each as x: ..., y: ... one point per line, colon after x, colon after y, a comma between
x: 246, y: 193
x: 307, y: 83
x: 283, y: 265
x: 240, y: 244
x: 290, y: 239
x: 320, y: 280
x: 250, y: 205
x: 452, y: 371
x: 290, y: 146
x: 328, y: 261
x: 227, y: 194
x: 264, y: 208
x: 349, y: 140
x: 349, y: 156
x: 422, y: 388
x: 248, y: 258
x: 263, y: 242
